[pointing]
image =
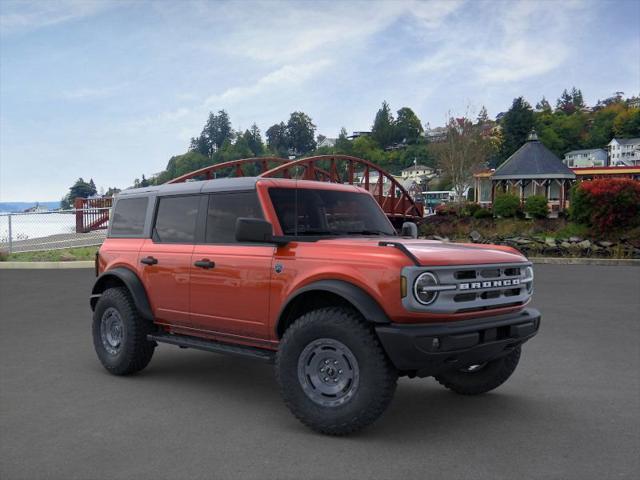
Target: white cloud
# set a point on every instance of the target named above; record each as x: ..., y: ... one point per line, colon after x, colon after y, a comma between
x: 285, y: 77
x: 23, y: 15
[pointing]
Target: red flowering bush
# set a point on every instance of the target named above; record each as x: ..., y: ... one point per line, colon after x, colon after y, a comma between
x: 607, y: 204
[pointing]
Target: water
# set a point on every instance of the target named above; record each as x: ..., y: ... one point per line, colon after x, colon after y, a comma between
x: 36, y: 225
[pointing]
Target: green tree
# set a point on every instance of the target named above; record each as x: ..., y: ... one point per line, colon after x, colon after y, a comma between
x: 367, y: 148
x: 517, y: 123
x: 544, y: 106
x: 80, y: 189
x: 253, y: 138
x: 627, y: 124
x: 343, y: 144
x: 301, y: 133
x: 277, y: 139
x: 565, y: 103
x: 577, y: 99
x: 383, y: 130
x: 408, y: 126
x: 216, y: 131
x: 483, y: 116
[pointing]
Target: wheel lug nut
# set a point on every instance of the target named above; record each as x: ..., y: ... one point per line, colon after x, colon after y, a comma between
x: 335, y: 380
x: 326, y: 362
x: 322, y: 369
x: 335, y: 362
x: 326, y: 379
x: 339, y: 371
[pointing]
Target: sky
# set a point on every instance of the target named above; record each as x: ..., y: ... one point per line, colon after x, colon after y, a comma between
x: 110, y: 90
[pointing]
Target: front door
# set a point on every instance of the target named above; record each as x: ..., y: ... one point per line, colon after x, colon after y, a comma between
x: 230, y: 281
x: 165, y: 259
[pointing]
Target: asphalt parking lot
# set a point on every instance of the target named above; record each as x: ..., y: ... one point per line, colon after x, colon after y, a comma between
x: 571, y: 410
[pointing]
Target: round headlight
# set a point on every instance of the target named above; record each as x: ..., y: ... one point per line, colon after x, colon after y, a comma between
x: 422, y: 288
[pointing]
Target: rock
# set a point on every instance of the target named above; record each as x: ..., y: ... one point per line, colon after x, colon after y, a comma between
x: 550, y: 241
x: 605, y: 244
x: 523, y: 241
x: 575, y: 239
x: 585, y: 244
x: 475, y: 236
x: 566, y: 245
x: 67, y: 257
x: 441, y: 239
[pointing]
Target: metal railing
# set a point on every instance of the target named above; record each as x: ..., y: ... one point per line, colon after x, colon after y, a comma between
x: 33, y: 231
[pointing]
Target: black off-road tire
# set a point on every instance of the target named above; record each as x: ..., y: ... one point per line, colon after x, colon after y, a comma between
x: 376, y: 376
x: 135, y: 351
x: 490, y: 376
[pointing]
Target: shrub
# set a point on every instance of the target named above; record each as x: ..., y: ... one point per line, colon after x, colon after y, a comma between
x: 483, y: 213
x: 506, y: 205
x: 446, y: 209
x: 469, y: 209
x: 607, y: 204
x: 536, y: 206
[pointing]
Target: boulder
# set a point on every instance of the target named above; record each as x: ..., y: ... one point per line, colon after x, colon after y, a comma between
x: 475, y: 236
x: 575, y: 239
x: 605, y: 244
x: 441, y: 239
x: 585, y: 244
x: 566, y: 245
x: 550, y: 241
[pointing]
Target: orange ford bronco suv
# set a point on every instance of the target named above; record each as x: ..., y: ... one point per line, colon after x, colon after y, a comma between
x: 313, y: 277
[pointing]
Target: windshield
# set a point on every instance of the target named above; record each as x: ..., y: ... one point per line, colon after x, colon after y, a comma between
x: 328, y: 212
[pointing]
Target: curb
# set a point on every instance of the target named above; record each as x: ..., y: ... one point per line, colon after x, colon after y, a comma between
x: 612, y: 262
x: 46, y: 265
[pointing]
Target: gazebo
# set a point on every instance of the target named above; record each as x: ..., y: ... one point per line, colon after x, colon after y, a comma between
x: 532, y: 170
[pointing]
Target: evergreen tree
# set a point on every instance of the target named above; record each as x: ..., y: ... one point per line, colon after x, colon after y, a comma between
x: 565, y: 103
x: 576, y: 99
x: 408, y: 126
x: 483, y: 116
x: 517, y: 123
x: 382, y: 130
x: 216, y: 131
x: 253, y: 138
x: 343, y: 144
x: 543, y: 106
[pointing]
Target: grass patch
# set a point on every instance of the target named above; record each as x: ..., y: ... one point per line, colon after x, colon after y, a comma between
x: 64, y: 255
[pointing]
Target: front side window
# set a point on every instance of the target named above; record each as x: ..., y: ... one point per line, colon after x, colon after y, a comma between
x: 176, y: 219
x: 128, y: 217
x: 224, y: 209
x: 328, y: 212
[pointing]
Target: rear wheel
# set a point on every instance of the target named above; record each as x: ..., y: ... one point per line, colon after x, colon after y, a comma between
x: 482, y: 378
x: 333, y: 373
x: 120, y: 333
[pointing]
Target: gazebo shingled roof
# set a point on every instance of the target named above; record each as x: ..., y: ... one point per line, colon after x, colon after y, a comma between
x: 533, y: 160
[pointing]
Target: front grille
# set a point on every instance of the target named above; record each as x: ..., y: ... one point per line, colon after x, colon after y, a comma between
x: 473, y: 288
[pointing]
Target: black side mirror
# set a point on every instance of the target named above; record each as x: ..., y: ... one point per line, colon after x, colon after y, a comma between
x: 409, y: 229
x: 250, y: 230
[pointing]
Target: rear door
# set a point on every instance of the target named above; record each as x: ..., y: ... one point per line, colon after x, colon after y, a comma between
x: 165, y: 258
x: 230, y: 281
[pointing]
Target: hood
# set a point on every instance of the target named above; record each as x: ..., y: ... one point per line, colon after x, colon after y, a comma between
x: 435, y: 253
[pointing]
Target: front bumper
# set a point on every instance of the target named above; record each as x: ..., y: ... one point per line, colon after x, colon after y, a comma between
x: 426, y: 350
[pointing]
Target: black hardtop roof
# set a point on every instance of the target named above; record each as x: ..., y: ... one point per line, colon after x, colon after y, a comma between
x: 204, y: 186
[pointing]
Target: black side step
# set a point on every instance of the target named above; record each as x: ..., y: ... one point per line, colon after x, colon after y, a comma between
x: 186, y: 341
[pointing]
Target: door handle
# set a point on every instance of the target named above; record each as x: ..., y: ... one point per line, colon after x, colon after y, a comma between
x: 149, y: 260
x: 205, y: 263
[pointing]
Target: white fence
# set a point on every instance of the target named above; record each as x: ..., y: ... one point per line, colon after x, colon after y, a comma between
x: 28, y: 232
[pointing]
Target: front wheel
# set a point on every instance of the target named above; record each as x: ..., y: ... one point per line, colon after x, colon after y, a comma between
x: 477, y: 379
x: 120, y: 333
x: 333, y: 373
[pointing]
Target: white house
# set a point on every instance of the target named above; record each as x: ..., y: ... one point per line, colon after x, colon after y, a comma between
x: 417, y: 172
x: 624, y: 152
x: 594, y: 157
x: 327, y: 142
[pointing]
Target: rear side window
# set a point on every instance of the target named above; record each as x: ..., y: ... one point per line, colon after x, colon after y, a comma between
x: 176, y: 219
x: 128, y: 217
x: 224, y: 209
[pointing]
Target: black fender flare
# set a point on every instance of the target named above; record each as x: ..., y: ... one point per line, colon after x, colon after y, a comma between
x: 356, y: 296
x: 133, y: 284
